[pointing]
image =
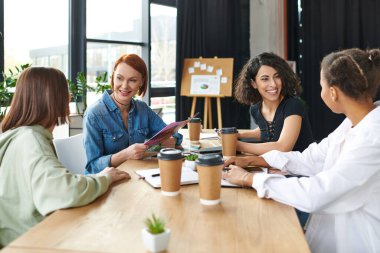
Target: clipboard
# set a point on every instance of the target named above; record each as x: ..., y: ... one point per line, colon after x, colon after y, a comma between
x: 167, y: 131
x: 188, y: 176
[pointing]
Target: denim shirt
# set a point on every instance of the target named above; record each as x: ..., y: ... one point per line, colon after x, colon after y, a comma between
x: 104, y: 132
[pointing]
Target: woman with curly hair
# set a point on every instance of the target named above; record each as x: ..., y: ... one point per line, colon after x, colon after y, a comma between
x: 270, y: 86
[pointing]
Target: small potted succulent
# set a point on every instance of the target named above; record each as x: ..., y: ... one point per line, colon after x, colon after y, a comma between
x: 155, y: 235
x: 190, y: 161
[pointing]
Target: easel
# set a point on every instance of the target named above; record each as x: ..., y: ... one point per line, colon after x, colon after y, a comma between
x: 193, y: 66
x: 208, y: 112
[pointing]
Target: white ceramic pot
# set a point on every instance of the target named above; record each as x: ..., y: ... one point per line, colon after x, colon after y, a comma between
x: 190, y: 164
x: 157, y: 242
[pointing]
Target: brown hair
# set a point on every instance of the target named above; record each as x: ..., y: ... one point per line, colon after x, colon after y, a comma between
x: 369, y: 62
x: 138, y: 64
x: 246, y: 94
x: 41, y: 97
x: 342, y: 71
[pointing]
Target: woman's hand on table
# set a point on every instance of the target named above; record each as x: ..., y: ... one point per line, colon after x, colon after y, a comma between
x: 238, y: 176
x: 115, y: 174
x: 245, y: 161
x: 238, y: 161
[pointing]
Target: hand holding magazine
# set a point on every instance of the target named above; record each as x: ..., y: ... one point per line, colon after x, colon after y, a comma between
x: 167, y: 132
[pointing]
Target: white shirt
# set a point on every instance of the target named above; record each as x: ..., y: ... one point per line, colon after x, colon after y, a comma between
x: 342, y: 192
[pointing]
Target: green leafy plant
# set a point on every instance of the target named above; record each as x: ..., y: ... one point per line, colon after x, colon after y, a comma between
x: 78, y: 91
x: 155, y: 225
x: 79, y: 88
x: 102, y: 83
x: 7, y: 86
x: 154, y: 148
x: 191, y: 157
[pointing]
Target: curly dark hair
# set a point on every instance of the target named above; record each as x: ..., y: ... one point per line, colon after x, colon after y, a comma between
x: 246, y: 94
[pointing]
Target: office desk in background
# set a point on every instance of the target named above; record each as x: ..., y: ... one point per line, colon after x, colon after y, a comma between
x: 113, y: 223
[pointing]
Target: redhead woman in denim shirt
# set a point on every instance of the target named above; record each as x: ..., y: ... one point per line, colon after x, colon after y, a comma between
x: 116, y: 126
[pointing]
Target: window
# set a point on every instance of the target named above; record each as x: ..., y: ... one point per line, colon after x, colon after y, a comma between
x: 117, y: 20
x: 163, y: 59
x: 34, y: 35
x: 113, y: 28
x: 36, y: 32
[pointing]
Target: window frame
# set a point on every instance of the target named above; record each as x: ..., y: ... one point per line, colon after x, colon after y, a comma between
x: 77, y: 44
x: 164, y: 91
x: 1, y: 38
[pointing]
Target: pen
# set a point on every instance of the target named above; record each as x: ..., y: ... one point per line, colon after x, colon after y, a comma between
x: 156, y: 175
x: 226, y: 169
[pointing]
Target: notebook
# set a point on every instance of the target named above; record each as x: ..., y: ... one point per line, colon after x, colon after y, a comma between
x: 188, y: 176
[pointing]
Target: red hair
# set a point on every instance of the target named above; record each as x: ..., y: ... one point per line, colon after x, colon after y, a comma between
x: 138, y: 64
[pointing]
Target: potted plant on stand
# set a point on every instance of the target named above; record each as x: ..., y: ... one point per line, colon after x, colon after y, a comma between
x: 78, y: 92
x: 155, y: 236
x: 78, y: 96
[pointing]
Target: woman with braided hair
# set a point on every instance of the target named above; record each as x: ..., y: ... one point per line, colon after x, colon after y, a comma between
x: 343, y: 185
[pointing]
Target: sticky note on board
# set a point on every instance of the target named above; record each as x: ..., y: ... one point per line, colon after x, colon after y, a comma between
x: 191, y: 70
x: 223, y: 79
x: 203, y: 66
x: 210, y: 69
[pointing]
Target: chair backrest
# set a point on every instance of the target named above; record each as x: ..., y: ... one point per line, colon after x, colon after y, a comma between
x: 158, y: 111
x: 71, y: 153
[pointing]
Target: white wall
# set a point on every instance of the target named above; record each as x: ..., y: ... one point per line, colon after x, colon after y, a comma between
x: 266, y: 29
x: 267, y: 26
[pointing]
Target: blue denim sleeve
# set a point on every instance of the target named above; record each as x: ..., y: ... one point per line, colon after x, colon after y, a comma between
x: 93, y: 143
x: 156, y: 124
x: 179, y: 138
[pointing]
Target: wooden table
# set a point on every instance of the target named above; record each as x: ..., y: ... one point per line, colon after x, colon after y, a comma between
x: 113, y: 223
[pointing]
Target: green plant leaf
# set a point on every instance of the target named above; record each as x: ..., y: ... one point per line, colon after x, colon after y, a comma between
x: 102, y: 83
x: 191, y: 157
x: 155, y: 225
x: 7, y: 86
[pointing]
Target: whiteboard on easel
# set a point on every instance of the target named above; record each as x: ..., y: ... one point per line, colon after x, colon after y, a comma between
x: 207, y: 77
x: 205, y: 85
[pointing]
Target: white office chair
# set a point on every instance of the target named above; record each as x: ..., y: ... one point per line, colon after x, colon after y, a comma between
x: 71, y: 153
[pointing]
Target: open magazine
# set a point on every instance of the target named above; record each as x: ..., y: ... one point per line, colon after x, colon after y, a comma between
x: 167, y: 131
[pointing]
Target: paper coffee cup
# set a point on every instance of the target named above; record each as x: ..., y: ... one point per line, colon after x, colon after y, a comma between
x: 229, y: 141
x: 210, y: 175
x: 170, y: 164
x: 194, y: 126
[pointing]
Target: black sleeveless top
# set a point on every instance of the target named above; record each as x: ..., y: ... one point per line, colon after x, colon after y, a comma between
x: 270, y: 131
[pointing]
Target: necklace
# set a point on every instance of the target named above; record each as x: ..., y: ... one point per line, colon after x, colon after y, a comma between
x: 125, y: 105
